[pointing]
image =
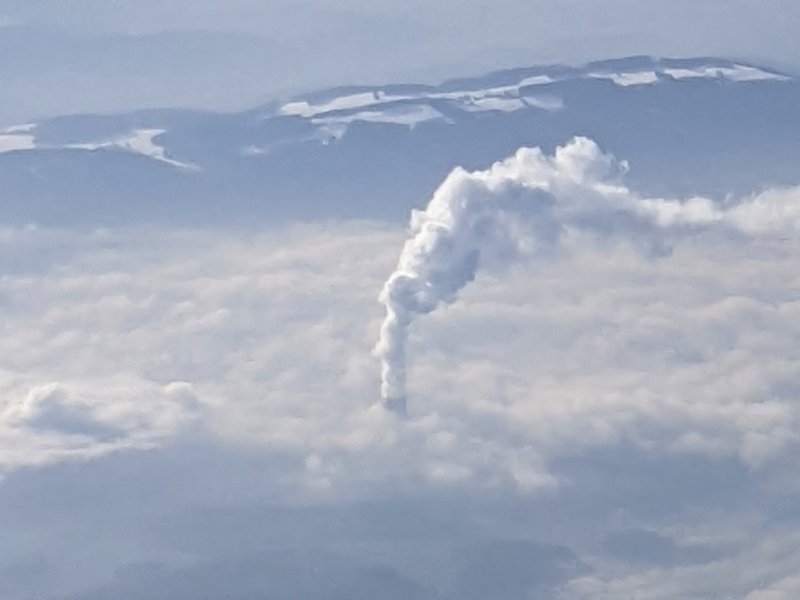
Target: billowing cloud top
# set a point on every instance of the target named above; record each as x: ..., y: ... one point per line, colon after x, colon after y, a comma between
x: 524, y: 206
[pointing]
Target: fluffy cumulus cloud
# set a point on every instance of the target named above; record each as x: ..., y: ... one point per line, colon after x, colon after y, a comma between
x: 613, y: 415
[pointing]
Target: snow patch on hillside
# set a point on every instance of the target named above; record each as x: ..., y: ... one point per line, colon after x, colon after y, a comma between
x: 334, y: 115
x: 17, y: 137
x: 141, y: 141
x: 734, y: 73
x: 15, y: 129
x: 410, y: 115
x: 349, y: 102
x: 14, y: 142
x: 628, y: 79
x: 504, y: 98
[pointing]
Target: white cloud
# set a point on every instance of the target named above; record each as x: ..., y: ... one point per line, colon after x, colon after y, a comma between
x: 760, y: 566
x: 690, y: 354
x: 527, y: 207
x: 260, y: 344
x: 785, y: 589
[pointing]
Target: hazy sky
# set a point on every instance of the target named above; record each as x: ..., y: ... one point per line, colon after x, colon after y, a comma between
x: 90, y: 55
x: 602, y: 379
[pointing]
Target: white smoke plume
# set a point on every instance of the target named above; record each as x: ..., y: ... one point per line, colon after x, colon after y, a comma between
x: 524, y: 206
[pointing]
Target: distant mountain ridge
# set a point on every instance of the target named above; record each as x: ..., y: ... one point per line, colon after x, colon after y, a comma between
x: 701, y: 125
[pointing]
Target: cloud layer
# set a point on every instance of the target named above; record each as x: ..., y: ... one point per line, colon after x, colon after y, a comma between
x: 628, y: 418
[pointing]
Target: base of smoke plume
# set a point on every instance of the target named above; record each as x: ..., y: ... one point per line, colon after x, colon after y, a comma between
x: 398, y: 406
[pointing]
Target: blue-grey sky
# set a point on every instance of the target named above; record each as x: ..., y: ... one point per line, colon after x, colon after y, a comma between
x: 101, y: 55
x: 205, y: 316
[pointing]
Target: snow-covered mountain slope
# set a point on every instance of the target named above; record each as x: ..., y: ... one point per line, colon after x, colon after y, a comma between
x: 686, y: 126
x: 520, y: 93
